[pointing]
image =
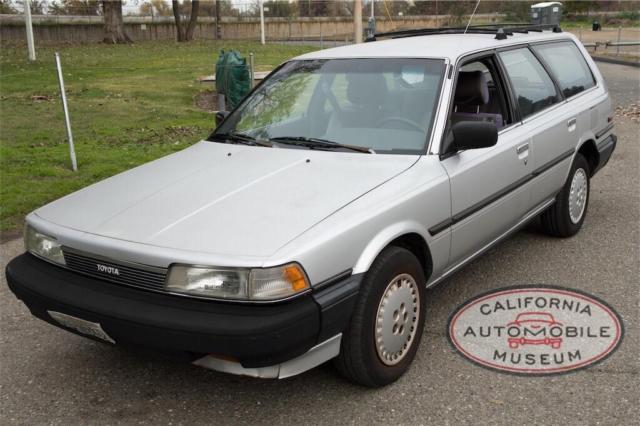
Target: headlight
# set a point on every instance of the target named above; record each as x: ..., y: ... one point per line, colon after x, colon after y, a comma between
x: 238, y: 284
x: 43, y: 246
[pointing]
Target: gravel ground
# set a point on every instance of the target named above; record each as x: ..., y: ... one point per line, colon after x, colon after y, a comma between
x: 50, y: 376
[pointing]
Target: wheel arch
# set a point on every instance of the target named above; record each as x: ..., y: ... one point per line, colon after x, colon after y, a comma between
x: 410, y: 236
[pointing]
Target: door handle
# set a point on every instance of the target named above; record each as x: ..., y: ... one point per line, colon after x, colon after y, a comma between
x: 523, y: 152
x: 522, y: 148
x: 571, y: 124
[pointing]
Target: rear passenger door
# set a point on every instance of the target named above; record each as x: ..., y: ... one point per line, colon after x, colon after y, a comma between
x: 550, y: 122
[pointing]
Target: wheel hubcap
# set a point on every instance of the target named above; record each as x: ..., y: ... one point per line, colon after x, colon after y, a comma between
x: 397, y: 319
x: 578, y: 195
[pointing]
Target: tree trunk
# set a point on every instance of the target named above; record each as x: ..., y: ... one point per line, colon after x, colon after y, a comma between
x: 113, y: 23
x: 195, y: 6
x: 218, y: 28
x: 176, y: 15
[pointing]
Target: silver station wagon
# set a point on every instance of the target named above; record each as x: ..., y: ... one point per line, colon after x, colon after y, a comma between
x: 311, y: 223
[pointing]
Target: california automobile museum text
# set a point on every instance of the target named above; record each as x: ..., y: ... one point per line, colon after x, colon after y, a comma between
x: 535, y: 330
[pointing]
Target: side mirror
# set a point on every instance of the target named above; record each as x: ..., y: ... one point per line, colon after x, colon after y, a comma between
x: 220, y: 116
x: 474, y: 134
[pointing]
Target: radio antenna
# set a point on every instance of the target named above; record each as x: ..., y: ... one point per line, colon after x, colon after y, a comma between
x: 471, y: 17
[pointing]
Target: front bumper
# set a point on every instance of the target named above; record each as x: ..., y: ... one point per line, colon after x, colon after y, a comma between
x: 252, y: 335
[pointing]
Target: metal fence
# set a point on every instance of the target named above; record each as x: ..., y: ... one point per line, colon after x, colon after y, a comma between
x: 612, y: 41
x: 323, y: 31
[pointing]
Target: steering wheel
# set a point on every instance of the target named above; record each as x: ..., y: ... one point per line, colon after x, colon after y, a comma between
x: 402, y: 120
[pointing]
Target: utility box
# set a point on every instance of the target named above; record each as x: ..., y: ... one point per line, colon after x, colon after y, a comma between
x: 370, y: 30
x: 546, y: 13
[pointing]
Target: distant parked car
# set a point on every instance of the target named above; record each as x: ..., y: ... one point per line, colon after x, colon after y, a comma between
x: 536, y: 321
x: 309, y: 225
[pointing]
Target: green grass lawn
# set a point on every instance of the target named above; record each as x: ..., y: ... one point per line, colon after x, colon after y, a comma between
x: 129, y: 104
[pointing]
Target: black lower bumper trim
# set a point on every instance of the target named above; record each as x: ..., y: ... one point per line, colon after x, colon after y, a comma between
x: 605, y: 149
x: 336, y: 305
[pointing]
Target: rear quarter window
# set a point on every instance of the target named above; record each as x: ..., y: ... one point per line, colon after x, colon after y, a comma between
x: 568, y: 66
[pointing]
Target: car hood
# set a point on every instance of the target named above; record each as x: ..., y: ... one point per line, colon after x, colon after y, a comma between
x: 224, y: 199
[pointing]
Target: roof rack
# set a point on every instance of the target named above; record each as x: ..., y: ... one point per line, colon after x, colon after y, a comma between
x: 501, y: 31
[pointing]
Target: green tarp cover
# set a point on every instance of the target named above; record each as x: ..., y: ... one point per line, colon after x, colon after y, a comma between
x: 233, y: 78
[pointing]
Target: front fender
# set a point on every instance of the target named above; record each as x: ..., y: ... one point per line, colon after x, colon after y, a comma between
x: 383, y: 238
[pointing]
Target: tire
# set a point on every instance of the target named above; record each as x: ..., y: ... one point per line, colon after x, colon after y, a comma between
x: 361, y: 359
x: 558, y: 220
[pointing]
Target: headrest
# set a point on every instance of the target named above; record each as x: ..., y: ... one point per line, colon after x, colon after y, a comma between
x: 366, y: 89
x: 472, y: 89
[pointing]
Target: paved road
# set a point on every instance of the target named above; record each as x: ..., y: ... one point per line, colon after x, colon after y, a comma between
x: 50, y: 376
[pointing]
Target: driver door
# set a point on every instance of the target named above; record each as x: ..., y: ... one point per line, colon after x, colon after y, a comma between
x: 487, y: 185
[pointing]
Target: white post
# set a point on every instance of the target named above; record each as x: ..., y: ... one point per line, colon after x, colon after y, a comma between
x: 72, y: 151
x: 372, y: 9
x: 618, y: 45
x: 357, y: 20
x: 261, y: 21
x: 27, y: 18
x: 251, y: 72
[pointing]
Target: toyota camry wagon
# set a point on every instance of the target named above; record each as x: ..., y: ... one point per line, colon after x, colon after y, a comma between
x: 309, y: 225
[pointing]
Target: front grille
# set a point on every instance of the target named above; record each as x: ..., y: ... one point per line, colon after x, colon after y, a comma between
x: 134, y: 275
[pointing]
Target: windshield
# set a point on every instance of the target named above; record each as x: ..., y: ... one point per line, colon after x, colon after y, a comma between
x: 386, y: 105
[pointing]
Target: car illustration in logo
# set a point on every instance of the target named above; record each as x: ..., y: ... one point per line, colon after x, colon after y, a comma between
x: 534, y: 323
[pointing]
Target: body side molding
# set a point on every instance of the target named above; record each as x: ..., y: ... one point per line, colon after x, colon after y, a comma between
x: 460, y: 216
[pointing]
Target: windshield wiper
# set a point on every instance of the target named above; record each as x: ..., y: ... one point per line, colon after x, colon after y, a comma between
x: 312, y: 143
x: 243, y: 138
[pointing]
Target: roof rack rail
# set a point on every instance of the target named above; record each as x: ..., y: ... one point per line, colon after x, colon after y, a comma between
x: 501, y: 31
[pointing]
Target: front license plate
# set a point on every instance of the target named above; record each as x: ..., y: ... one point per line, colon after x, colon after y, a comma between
x: 85, y: 327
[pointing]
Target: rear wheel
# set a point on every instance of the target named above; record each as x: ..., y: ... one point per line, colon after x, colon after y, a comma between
x: 385, y: 329
x: 565, y: 217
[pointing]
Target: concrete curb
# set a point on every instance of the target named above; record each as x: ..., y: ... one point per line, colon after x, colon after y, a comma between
x: 615, y: 61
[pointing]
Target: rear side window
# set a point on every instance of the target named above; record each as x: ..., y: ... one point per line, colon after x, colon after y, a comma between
x: 568, y: 67
x: 533, y: 87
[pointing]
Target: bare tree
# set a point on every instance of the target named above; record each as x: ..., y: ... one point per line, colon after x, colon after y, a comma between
x: 182, y: 33
x: 75, y: 7
x: 37, y: 7
x: 155, y: 7
x: 193, y: 20
x: 113, y: 24
x: 7, y: 8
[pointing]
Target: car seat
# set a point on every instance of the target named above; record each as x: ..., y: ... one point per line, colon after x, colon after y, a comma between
x: 472, y: 94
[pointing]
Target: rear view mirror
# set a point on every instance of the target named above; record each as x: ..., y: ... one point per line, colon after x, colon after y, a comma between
x: 220, y: 116
x: 412, y: 74
x: 474, y: 135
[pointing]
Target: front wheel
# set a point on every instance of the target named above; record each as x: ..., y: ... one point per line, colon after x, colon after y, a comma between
x: 565, y: 217
x: 385, y: 329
